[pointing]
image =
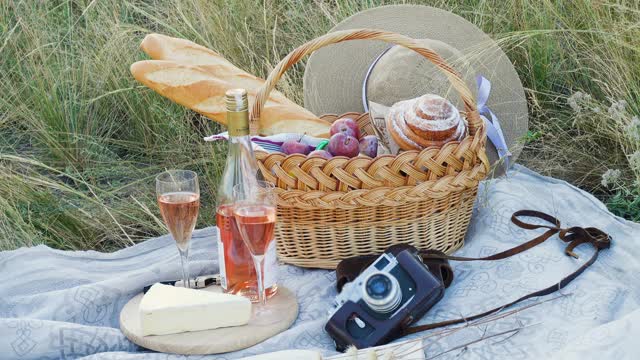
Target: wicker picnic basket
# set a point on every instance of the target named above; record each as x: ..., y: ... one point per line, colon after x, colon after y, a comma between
x: 329, y: 210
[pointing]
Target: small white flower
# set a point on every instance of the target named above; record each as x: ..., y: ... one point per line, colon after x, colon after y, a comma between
x: 633, y: 129
x: 617, y: 109
x: 577, y: 99
x: 596, y: 109
x: 634, y: 161
x: 573, y: 103
x: 610, y: 177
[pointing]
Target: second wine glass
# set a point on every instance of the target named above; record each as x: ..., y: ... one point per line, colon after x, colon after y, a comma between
x: 255, y: 215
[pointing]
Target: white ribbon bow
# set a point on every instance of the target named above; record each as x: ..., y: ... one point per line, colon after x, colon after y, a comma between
x: 494, y: 131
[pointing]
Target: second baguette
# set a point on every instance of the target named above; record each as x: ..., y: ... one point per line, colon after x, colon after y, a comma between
x: 182, y: 51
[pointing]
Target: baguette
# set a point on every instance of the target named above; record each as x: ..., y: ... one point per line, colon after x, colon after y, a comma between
x: 197, y: 77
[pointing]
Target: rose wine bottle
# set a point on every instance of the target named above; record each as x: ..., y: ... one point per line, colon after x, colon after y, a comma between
x: 237, y: 271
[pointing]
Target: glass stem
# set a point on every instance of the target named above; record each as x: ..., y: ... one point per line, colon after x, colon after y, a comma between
x: 184, y: 260
x: 258, y: 262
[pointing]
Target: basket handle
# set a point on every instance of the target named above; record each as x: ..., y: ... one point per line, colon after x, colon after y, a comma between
x: 459, y: 85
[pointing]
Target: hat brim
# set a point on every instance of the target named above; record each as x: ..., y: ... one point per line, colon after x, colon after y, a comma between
x: 334, y: 74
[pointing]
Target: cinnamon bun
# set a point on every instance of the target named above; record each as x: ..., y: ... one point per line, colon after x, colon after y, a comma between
x: 429, y: 120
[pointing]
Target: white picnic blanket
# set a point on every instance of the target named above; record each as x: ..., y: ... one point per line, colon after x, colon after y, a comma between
x: 59, y: 304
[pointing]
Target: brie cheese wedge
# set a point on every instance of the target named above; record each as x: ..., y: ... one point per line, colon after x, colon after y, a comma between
x: 167, y: 309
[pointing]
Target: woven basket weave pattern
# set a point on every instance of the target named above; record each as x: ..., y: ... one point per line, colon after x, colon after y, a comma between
x: 320, y: 238
x: 332, y: 209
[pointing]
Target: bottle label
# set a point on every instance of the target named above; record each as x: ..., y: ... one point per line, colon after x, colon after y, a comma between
x: 238, y: 123
x: 221, y: 263
x: 270, y: 266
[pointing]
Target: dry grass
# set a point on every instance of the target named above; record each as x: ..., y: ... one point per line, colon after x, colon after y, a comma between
x: 80, y: 140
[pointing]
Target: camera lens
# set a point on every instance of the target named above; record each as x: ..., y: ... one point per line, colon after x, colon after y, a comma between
x: 381, y: 292
x: 379, y: 286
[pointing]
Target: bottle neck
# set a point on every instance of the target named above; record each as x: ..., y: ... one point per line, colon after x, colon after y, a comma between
x: 240, y: 147
x: 241, y: 167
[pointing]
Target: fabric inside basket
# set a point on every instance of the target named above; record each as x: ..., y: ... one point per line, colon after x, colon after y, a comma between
x: 271, y: 143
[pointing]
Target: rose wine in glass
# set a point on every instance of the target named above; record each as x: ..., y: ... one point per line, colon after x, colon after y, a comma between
x: 255, y: 215
x: 179, y: 201
x: 180, y: 212
x: 237, y: 272
x: 256, y: 224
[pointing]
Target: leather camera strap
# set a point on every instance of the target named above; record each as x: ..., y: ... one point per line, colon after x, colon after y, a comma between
x: 437, y: 261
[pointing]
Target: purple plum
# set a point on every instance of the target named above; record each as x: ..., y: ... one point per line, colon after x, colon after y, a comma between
x: 295, y: 147
x: 345, y: 125
x: 369, y: 146
x: 321, y: 153
x: 342, y: 144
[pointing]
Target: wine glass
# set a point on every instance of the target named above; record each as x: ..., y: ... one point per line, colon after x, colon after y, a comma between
x: 255, y: 214
x: 179, y: 201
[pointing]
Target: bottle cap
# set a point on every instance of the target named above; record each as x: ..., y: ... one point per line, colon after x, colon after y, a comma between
x: 236, y: 100
x: 237, y: 112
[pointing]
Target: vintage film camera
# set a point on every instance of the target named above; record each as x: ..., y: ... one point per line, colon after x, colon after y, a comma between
x: 389, y: 295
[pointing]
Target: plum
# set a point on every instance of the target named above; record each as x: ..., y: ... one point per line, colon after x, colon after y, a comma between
x: 369, y: 146
x: 293, y: 146
x: 345, y: 125
x: 321, y: 153
x: 342, y: 144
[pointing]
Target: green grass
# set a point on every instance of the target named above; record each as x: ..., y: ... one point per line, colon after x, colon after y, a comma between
x: 81, y: 141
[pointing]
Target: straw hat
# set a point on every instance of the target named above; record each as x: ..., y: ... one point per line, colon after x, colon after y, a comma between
x: 334, y: 78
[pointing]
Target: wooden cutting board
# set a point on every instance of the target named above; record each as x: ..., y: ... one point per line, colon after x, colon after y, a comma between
x: 285, y: 312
